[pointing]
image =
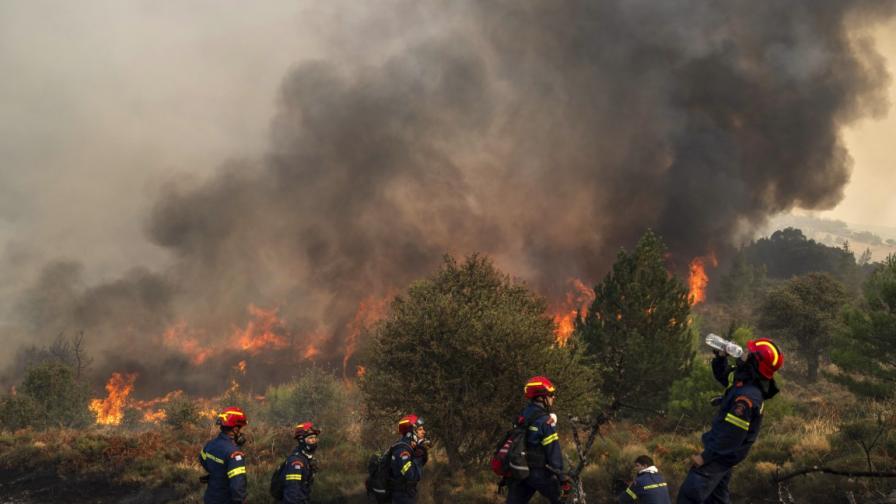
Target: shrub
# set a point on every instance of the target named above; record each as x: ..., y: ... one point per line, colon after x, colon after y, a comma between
x: 314, y: 395
x: 60, y: 400
x: 181, y: 411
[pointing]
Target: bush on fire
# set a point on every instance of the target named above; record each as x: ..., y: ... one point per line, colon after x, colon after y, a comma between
x: 456, y: 349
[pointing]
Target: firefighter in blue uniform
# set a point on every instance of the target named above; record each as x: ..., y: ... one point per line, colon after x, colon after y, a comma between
x: 301, y: 465
x: 542, y: 447
x: 649, y: 486
x: 408, y: 456
x: 225, y: 462
x: 736, y: 426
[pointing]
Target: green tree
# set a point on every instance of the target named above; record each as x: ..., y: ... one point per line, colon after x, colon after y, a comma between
x: 866, y: 350
x: 457, y: 348
x: 637, y: 327
x: 806, y: 310
x: 60, y: 399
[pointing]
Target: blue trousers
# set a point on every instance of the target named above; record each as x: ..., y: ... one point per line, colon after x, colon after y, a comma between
x: 404, y: 497
x: 538, y: 481
x: 707, y: 484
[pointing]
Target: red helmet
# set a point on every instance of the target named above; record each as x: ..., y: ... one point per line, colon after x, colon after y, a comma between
x: 231, y: 417
x: 408, y: 423
x: 767, y: 354
x: 304, y: 430
x: 539, y: 386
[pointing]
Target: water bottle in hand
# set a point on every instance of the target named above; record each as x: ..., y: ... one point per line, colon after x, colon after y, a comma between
x: 720, y: 343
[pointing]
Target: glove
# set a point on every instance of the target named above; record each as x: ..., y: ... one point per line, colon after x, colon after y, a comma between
x: 204, y: 479
x: 719, y: 353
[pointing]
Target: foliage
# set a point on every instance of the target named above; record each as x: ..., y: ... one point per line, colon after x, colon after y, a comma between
x: 637, y: 327
x: 58, y: 398
x: 314, y: 395
x: 690, y: 396
x: 742, y: 282
x: 181, y: 411
x: 866, y: 350
x: 457, y: 349
x: 18, y: 411
x: 787, y: 253
x: 806, y: 310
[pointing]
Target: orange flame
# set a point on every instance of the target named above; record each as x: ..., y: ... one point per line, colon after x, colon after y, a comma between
x: 370, y: 310
x: 578, y: 299
x: 698, y: 279
x: 188, y: 341
x: 361, y: 371
x: 240, y: 367
x: 260, y: 331
x: 110, y: 411
x: 311, y: 352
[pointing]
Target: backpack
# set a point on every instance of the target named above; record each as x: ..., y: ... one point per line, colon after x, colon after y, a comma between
x: 278, y: 482
x: 510, y: 459
x: 378, y: 482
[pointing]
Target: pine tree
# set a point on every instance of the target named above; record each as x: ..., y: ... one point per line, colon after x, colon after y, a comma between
x: 866, y: 350
x: 637, y: 328
x: 806, y: 310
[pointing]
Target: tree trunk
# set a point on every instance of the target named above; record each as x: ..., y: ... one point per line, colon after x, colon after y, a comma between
x: 812, y: 368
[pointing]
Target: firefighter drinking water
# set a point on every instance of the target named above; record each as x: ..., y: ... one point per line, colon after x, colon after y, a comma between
x: 735, y: 428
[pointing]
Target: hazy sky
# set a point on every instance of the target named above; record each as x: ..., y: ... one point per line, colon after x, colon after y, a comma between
x: 103, y: 102
x: 870, y: 198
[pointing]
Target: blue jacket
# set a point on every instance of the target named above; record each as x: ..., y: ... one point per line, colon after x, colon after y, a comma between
x: 299, y: 476
x: 405, y: 469
x: 542, y: 443
x: 648, y: 488
x: 736, y: 426
x: 226, y: 467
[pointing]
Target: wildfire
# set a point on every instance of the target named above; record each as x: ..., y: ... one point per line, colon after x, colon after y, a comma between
x: 110, y: 411
x: 370, y: 310
x: 240, y: 367
x: 260, y: 331
x: 361, y: 371
x: 311, y: 352
x: 188, y: 341
x: 697, y: 279
x: 577, y: 301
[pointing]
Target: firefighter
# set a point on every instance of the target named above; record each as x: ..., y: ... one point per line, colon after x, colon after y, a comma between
x: 301, y: 465
x: 224, y: 461
x: 408, y: 456
x: 542, y: 447
x: 649, y: 486
x: 735, y: 428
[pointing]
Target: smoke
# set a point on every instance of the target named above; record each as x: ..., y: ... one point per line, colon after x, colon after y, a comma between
x: 546, y: 135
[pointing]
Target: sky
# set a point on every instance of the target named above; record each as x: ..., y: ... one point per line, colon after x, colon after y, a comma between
x: 869, y: 197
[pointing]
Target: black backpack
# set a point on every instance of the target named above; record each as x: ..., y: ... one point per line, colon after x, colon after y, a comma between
x: 278, y: 481
x: 510, y: 459
x: 379, y: 484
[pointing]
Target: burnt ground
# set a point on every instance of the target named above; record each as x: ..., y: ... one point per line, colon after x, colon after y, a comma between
x: 45, y: 485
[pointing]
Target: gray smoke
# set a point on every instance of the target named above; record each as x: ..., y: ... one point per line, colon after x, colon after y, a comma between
x: 545, y: 134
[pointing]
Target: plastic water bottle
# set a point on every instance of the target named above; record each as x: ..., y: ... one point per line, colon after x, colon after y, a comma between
x: 720, y: 343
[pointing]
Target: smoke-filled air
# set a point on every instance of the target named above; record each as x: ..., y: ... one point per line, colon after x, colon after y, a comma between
x: 546, y: 135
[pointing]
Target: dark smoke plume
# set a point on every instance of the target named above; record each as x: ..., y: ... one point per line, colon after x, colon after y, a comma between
x: 546, y: 134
